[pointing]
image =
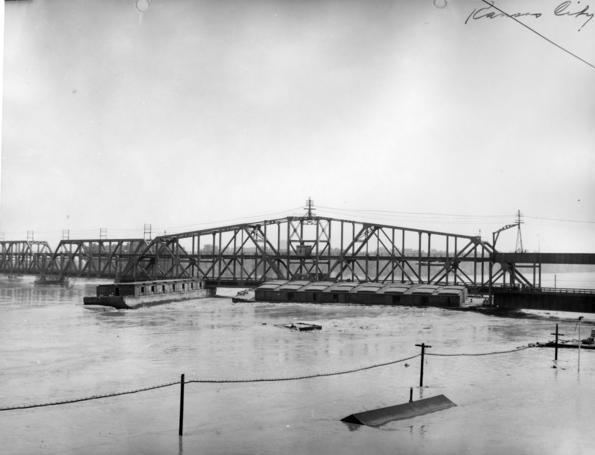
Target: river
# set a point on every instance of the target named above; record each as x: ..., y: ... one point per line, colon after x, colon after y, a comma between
x: 52, y: 348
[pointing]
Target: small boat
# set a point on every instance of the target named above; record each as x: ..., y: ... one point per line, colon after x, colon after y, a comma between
x: 246, y: 295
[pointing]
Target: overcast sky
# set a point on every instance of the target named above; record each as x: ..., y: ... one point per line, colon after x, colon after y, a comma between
x: 198, y: 112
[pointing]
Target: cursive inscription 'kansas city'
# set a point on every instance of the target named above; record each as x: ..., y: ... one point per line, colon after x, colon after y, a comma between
x: 566, y: 8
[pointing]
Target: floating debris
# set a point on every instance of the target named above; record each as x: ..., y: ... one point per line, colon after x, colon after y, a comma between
x: 302, y: 326
x: 247, y: 295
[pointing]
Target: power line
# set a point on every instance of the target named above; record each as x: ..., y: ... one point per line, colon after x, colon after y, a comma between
x: 563, y: 220
x: 431, y: 214
x: 460, y: 218
x: 492, y: 4
x: 77, y: 232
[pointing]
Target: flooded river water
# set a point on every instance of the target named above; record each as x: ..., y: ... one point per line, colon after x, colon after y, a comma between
x: 52, y: 348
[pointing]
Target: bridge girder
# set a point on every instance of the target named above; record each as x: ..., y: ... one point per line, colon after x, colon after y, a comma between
x: 93, y: 258
x: 319, y: 248
x: 291, y: 248
x: 23, y: 256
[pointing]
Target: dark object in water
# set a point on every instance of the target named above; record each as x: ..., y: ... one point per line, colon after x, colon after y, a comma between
x: 566, y: 344
x: 51, y: 280
x: 379, y: 417
x: 302, y: 326
x: 135, y: 294
x: 247, y: 295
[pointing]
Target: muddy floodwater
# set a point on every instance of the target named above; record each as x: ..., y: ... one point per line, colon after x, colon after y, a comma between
x: 52, y: 348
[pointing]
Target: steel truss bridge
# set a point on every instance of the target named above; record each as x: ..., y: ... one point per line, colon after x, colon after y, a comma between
x: 290, y: 248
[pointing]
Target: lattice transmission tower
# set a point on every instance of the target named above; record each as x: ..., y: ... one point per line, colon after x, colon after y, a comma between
x: 519, y: 235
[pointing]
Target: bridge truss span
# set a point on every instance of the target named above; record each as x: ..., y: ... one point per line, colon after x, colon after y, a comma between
x: 316, y: 248
x: 291, y: 248
x: 94, y: 258
x: 23, y: 256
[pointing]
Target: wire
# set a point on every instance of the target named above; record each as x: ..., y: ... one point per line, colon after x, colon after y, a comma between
x: 397, y: 212
x: 255, y: 380
x: 208, y: 381
x: 93, y: 397
x: 440, y: 216
x: 477, y: 354
x: 492, y: 4
x: 563, y: 220
x: 78, y: 232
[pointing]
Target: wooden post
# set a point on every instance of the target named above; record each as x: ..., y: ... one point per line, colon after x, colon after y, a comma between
x: 579, y: 342
x: 421, y: 371
x: 557, y: 334
x: 556, y: 350
x: 181, y: 426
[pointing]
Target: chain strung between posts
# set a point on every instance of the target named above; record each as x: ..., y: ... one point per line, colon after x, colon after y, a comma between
x: 253, y: 380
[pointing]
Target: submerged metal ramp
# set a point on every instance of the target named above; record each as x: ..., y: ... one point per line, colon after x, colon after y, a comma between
x: 379, y: 417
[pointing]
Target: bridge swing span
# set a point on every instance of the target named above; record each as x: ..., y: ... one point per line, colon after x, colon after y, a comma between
x: 306, y: 247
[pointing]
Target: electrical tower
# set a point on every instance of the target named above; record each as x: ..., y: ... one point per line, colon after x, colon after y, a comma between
x: 519, y: 236
x: 309, y: 208
x: 147, y: 232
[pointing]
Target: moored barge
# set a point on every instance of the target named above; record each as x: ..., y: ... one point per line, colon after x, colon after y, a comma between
x: 135, y: 294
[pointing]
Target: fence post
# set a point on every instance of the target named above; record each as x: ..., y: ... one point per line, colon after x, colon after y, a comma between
x: 421, y: 371
x: 181, y: 426
x: 558, y: 334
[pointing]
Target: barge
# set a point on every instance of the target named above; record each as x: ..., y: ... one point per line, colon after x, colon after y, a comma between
x: 366, y: 293
x: 135, y: 294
